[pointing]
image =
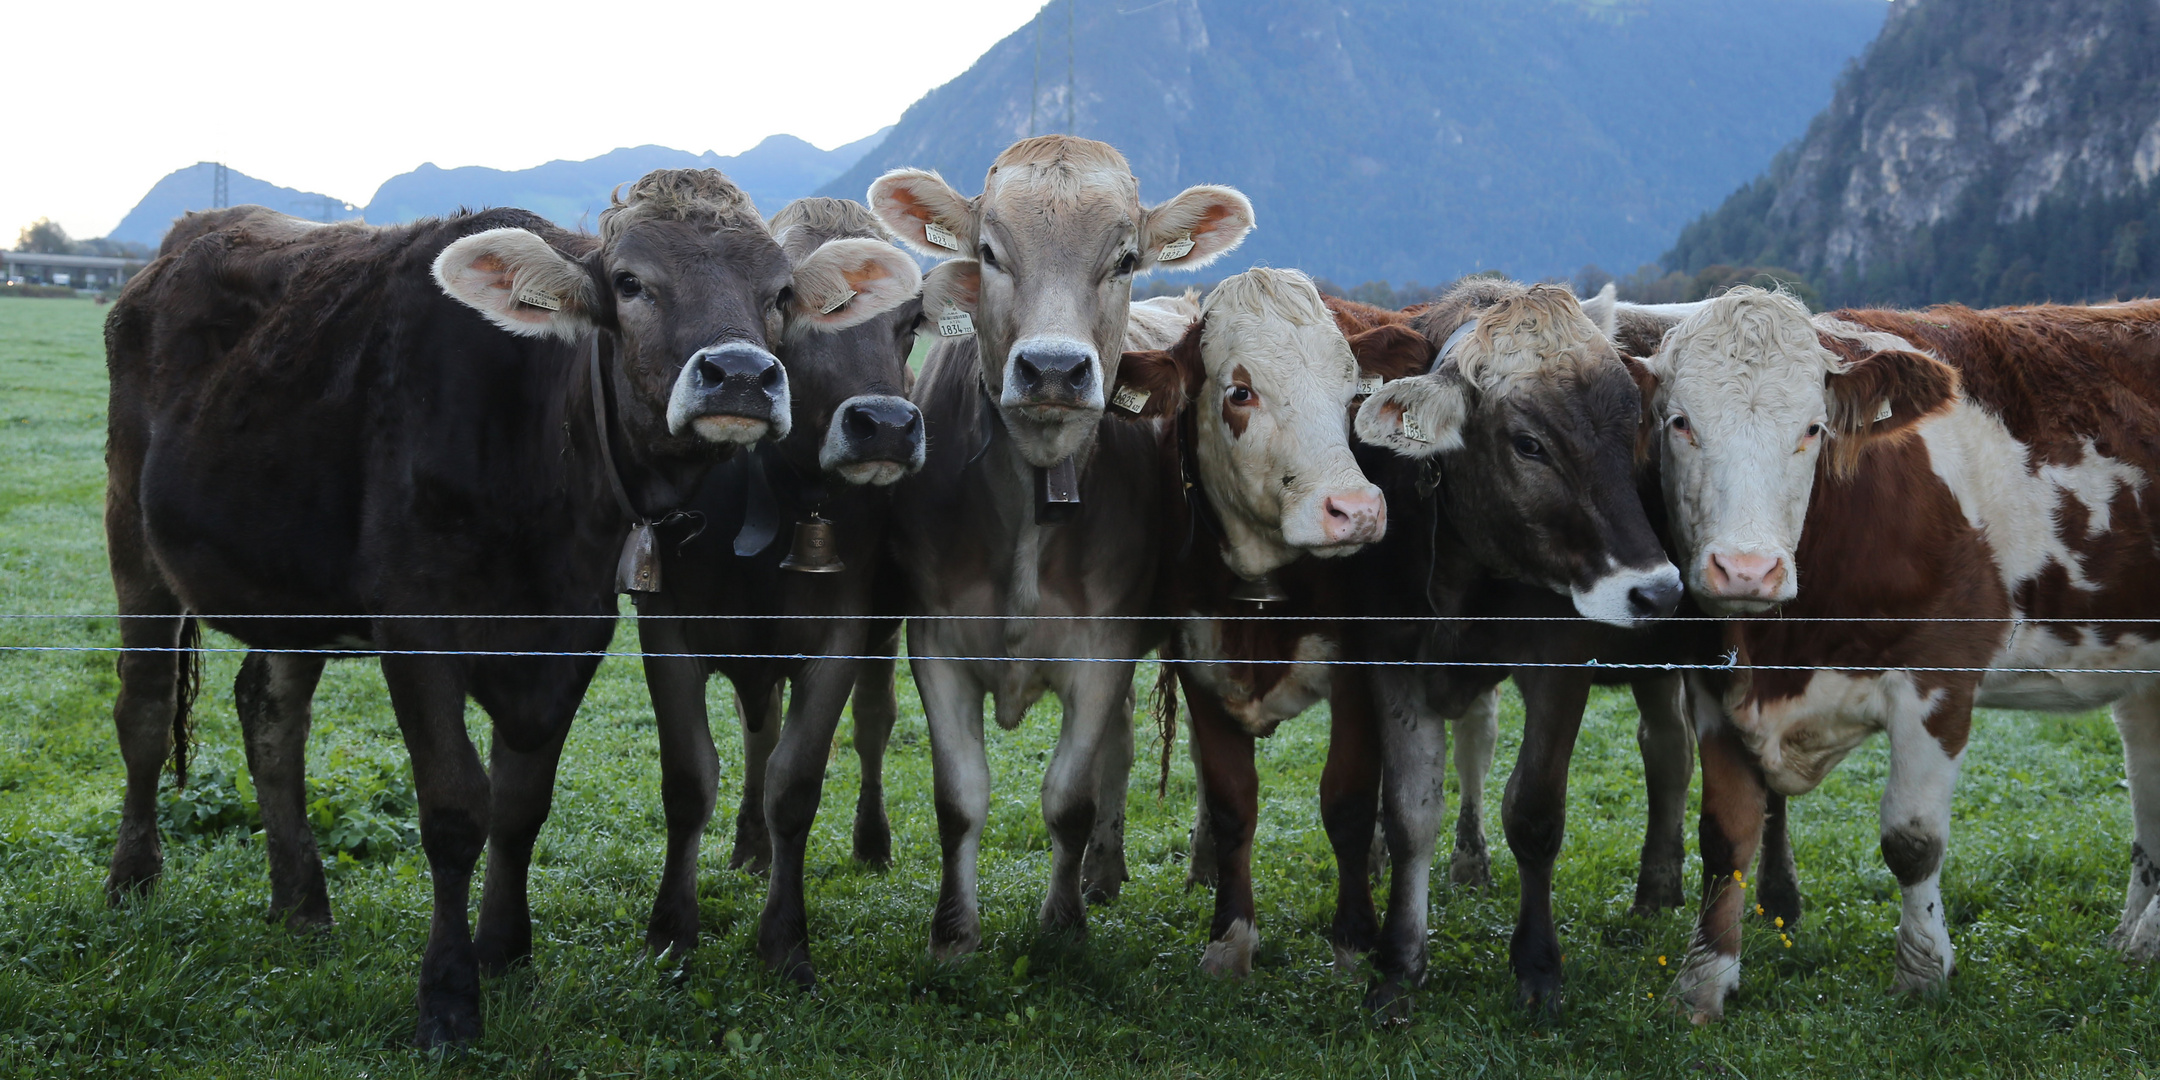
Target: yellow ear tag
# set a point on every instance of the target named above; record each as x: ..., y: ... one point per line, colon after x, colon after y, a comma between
x: 1175, y: 249
x: 941, y: 236
x: 838, y: 303
x: 538, y: 299
x: 955, y: 323
x: 1882, y: 413
x: 1413, y: 428
x: 1130, y: 398
x: 1368, y: 385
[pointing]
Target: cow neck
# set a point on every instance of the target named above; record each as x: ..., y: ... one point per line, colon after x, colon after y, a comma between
x: 1057, y: 488
x: 637, y: 568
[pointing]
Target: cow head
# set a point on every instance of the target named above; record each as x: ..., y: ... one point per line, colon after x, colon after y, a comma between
x: 1750, y: 392
x: 1534, y: 417
x: 1050, y: 248
x: 850, y: 388
x: 1269, y: 381
x: 697, y: 293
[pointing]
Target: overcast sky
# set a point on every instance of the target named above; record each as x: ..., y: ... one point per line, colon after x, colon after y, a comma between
x: 109, y: 97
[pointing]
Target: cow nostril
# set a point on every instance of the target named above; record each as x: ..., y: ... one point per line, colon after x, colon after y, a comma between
x: 858, y: 423
x: 769, y: 376
x: 710, y: 373
x: 914, y: 423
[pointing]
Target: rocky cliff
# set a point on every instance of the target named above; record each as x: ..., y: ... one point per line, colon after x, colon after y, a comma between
x: 1990, y: 151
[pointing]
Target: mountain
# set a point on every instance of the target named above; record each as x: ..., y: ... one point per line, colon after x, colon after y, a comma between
x: 194, y: 188
x: 1985, y: 151
x: 1410, y: 139
x: 572, y: 193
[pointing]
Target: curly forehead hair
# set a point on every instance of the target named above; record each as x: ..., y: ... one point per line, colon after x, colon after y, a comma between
x: 706, y: 196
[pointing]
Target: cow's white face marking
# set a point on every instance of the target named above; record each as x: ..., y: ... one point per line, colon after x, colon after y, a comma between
x: 1610, y: 599
x: 1743, y: 407
x: 1274, y: 425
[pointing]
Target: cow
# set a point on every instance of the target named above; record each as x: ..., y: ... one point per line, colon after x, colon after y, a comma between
x: 430, y: 441
x: 1907, y: 515
x: 1035, y: 515
x: 1257, y: 475
x: 1522, y: 500
x: 854, y: 433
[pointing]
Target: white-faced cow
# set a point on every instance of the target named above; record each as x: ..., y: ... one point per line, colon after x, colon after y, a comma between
x: 854, y: 434
x: 1528, y: 425
x: 322, y: 435
x: 1944, y: 508
x: 1260, y: 474
x: 1035, y: 513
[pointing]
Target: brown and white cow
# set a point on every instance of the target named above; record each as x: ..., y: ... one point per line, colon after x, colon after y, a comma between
x: 1260, y: 474
x: 989, y: 530
x: 1957, y: 497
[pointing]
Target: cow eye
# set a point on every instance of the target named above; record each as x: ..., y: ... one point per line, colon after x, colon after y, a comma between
x: 1242, y: 395
x: 628, y: 286
x: 1529, y: 447
x: 1814, y: 430
x: 989, y: 258
x: 780, y: 300
x: 1680, y: 424
x: 1127, y: 264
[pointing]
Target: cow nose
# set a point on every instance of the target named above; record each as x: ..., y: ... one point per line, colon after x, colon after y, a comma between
x: 1745, y: 576
x: 719, y: 367
x: 1357, y: 517
x: 1053, y: 372
x: 868, y: 421
x: 1657, y: 598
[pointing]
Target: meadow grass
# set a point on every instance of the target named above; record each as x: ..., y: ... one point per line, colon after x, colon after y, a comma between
x: 194, y: 982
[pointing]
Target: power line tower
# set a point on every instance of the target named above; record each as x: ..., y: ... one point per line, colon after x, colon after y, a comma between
x: 220, y: 186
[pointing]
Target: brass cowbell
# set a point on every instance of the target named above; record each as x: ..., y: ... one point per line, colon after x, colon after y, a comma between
x: 815, y: 550
x: 1260, y: 591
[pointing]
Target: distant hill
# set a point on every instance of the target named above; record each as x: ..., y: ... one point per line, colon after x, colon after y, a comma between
x: 1986, y: 151
x: 571, y: 193
x: 1411, y: 139
x: 194, y: 188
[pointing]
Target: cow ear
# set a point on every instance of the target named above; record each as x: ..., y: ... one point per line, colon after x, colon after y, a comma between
x: 1648, y: 422
x: 1195, y: 227
x: 954, y: 285
x: 845, y: 282
x: 519, y: 282
x: 1158, y: 382
x: 1603, y: 310
x: 924, y: 212
x: 1417, y: 417
x: 1886, y: 392
x: 1392, y: 351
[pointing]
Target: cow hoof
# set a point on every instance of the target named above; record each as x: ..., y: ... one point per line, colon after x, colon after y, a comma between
x: 1780, y: 900
x: 1062, y: 915
x: 954, y: 932
x: 791, y: 963
x: 1539, y: 995
x: 1230, y: 956
x: 873, y: 838
x: 1389, y: 1002
x: 1657, y: 891
x: 307, y: 919
x: 750, y: 858
x: 2138, y: 937
x: 132, y: 876
x: 1705, y: 980
x: 447, y: 1026
x: 1102, y: 874
x: 1924, y: 961
x: 1470, y: 870
x: 1347, y: 960
x: 497, y: 958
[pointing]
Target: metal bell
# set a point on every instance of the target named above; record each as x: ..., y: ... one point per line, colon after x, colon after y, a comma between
x: 1259, y: 592
x: 815, y: 550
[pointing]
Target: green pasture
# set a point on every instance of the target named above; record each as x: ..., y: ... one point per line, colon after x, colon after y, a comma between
x: 194, y: 982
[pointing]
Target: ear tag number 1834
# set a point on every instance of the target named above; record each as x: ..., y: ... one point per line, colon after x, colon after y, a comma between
x: 955, y: 323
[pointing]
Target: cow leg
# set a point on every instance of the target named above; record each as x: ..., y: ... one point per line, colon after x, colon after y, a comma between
x: 1094, y: 697
x: 273, y: 692
x: 1223, y: 753
x: 876, y: 710
x: 2137, y: 718
x: 1534, y: 813
x: 1349, y: 808
x: 523, y: 783
x: 428, y: 693
x: 1915, y: 834
x: 1475, y: 731
x: 1413, y: 793
x: 1200, y: 863
x: 152, y: 686
x: 1661, y: 733
x: 759, y: 703
x: 795, y: 775
x: 689, y: 778
x: 1102, y: 869
x: 960, y: 775
x: 1733, y: 800
x: 1777, y: 881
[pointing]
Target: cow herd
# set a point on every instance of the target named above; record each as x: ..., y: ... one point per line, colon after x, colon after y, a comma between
x: 453, y: 443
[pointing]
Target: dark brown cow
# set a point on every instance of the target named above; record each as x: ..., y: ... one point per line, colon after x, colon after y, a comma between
x: 854, y: 434
x: 320, y: 435
x: 1967, y: 486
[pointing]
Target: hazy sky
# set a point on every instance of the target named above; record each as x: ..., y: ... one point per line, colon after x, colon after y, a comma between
x: 337, y: 98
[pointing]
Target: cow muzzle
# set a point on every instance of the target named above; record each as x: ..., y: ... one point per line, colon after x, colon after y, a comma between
x: 730, y: 393
x: 1629, y: 597
x: 1745, y: 581
x: 874, y: 439
x: 1053, y: 374
x: 1337, y: 522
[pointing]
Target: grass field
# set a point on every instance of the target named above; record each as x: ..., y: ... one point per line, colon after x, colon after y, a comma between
x: 195, y: 983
